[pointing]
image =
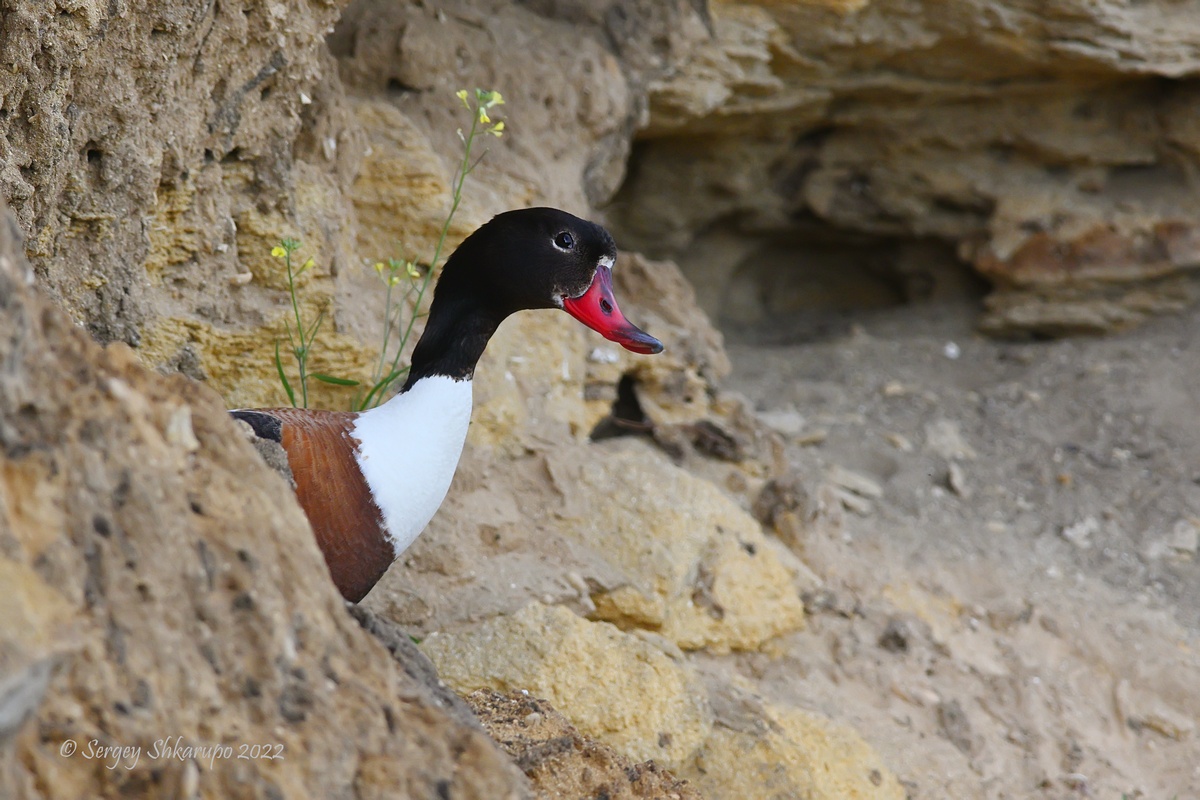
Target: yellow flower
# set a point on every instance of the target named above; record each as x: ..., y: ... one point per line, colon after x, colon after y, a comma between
x: 495, y: 100
x: 392, y: 280
x: 278, y: 251
x: 412, y: 270
x: 379, y: 267
x: 461, y: 94
x: 497, y: 130
x: 484, y: 119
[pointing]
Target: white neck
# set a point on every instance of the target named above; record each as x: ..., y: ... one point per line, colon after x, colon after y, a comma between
x: 409, y: 449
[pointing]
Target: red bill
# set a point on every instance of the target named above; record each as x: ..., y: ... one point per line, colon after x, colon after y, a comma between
x: 597, y: 308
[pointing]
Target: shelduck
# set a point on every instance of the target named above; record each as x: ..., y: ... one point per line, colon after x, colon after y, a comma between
x: 371, y: 481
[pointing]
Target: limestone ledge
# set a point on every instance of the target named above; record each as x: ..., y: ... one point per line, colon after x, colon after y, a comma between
x: 1053, y: 150
x: 701, y: 573
x: 639, y: 695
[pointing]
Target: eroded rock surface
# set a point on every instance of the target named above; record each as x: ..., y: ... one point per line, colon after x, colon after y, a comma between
x: 160, y: 586
x: 1052, y: 148
x: 560, y: 761
x: 153, y: 151
x: 719, y: 736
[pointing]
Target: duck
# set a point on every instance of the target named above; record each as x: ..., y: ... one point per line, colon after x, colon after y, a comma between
x: 371, y: 481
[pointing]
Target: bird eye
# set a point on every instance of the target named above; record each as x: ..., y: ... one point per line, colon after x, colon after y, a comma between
x: 564, y: 241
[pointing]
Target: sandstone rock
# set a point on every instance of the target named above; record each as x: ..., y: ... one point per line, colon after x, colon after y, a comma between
x: 794, y: 753
x: 702, y: 573
x: 944, y: 437
x: 677, y: 386
x: 1140, y: 709
x: 152, y: 199
x: 36, y: 636
x: 416, y: 665
x: 802, y: 130
x: 560, y: 761
x: 529, y: 386
x: 144, y: 136
x: 725, y: 740
x: 402, y: 193
x: 161, y: 584
x: 240, y: 363
x: 570, y: 107
x: 615, y: 686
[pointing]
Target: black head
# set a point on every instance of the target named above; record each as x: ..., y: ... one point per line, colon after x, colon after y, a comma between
x: 534, y: 258
x: 541, y: 258
x: 527, y: 258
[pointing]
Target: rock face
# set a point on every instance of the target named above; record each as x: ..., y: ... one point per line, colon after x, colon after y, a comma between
x: 768, y: 751
x: 165, y: 585
x: 1052, y: 149
x: 621, y: 688
x: 164, y: 178
x: 641, y: 695
x: 562, y: 763
x: 163, y: 593
x: 153, y: 152
x: 701, y: 573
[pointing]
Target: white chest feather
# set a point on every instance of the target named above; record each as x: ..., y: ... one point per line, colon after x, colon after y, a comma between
x: 409, y: 450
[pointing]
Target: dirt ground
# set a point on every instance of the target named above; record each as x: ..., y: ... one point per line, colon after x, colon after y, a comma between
x: 1012, y: 592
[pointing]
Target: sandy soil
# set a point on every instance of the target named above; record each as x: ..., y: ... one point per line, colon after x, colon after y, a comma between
x: 1012, y: 601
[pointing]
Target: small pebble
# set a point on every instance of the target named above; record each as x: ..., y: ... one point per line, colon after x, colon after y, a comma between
x: 1080, y: 533
x: 957, y: 479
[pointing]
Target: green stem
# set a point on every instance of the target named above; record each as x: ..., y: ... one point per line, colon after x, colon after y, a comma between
x: 464, y: 169
x: 300, y: 352
x: 387, y: 331
x: 382, y: 384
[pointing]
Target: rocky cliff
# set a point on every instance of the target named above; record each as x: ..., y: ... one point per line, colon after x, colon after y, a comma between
x: 169, y: 626
x: 1051, y: 148
x: 624, y: 540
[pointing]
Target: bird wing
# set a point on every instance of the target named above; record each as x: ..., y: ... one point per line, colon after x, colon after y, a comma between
x: 323, y: 456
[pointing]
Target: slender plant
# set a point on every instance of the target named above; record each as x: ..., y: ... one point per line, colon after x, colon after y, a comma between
x: 416, y: 279
x: 301, y: 340
x: 388, y: 371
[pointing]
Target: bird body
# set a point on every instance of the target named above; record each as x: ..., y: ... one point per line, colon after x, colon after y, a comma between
x: 410, y: 450
x: 371, y: 481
